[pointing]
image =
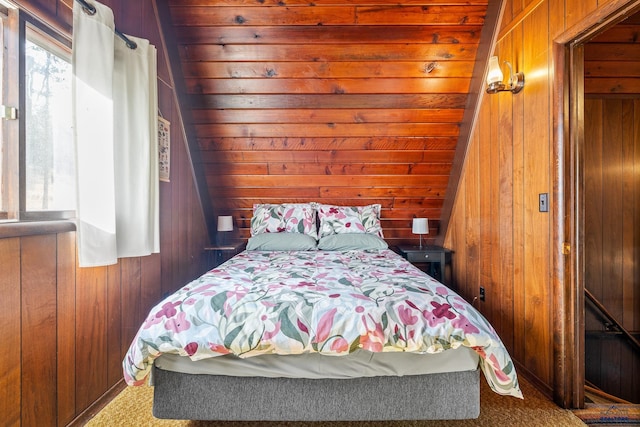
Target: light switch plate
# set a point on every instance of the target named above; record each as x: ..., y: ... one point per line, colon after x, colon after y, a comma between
x: 543, y: 202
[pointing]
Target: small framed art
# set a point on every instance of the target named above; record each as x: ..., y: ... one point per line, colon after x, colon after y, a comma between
x: 164, y: 149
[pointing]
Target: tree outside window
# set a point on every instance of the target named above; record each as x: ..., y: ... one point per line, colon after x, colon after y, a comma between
x: 49, y: 158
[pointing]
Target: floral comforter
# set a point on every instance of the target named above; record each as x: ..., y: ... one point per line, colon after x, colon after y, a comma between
x: 329, y: 302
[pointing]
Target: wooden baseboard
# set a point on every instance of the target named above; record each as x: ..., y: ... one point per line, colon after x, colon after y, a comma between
x: 98, y: 405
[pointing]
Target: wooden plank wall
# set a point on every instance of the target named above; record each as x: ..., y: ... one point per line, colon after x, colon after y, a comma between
x: 65, y: 329
x: 612, y: 61
x: 346, y: 103
x: 500, y: 239
x: 612, y: 212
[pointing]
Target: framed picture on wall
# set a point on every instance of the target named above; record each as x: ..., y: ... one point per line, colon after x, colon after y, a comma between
x: 164, y: 149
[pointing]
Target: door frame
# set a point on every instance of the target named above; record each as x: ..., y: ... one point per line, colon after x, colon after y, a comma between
x: 568, y: 211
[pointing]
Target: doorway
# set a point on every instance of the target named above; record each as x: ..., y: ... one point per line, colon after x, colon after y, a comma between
x: 598, y: 223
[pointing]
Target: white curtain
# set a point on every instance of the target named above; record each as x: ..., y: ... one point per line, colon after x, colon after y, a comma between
x: 115, y: 130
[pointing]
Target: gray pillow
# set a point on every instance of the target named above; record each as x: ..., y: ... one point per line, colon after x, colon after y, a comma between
x: 350, y: 241
x: 282, y: 242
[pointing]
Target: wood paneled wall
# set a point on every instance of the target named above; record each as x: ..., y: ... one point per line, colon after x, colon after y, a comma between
x: 612, y: 61
x: 346, y: 103
x: 612, y: 240
x: 65, y: 329
x: 501, y: 240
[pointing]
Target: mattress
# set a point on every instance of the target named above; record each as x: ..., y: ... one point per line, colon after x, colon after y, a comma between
x: 360, y: 363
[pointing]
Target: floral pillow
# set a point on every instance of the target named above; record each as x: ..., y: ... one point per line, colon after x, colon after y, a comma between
x: 286, y: 217
x: 349, y: 219
x: 267, y: 219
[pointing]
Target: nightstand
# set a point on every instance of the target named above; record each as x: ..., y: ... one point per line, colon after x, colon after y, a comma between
x: 218, y: 254
x: 433, y: 260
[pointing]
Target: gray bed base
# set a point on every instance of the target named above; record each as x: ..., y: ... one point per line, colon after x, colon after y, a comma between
x: 454, y: 395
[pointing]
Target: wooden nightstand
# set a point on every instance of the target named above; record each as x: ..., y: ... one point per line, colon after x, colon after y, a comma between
x: 218, y: 254
x: 433, y: 260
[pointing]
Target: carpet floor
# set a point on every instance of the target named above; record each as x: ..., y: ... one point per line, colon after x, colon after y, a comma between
x: 132, y: 407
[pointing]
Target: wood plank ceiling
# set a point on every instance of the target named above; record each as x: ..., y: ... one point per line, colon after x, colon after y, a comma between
x: 346, y: 102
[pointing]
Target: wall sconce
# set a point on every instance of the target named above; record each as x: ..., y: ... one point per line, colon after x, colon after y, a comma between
x: 495, y: 76
x: 225, y: 224
x: 420, y: 227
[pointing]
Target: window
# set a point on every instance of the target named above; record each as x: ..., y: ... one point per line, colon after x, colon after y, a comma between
x: 37, y: 165
x: 49, y: 156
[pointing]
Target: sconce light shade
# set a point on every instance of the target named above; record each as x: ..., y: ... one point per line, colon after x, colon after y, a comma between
x: 495, y: 76
x: 495, y: 73
x: 225, y: 223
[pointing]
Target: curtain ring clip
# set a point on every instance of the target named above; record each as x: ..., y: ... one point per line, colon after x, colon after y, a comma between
x: 88, y: 8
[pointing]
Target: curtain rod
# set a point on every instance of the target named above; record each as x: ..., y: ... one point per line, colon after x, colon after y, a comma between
x: 91, y: 10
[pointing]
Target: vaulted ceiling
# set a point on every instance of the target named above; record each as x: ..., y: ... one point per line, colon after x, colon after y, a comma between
x: 347, y: 102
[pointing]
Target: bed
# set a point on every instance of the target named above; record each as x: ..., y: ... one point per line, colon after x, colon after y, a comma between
x: 317, y: 320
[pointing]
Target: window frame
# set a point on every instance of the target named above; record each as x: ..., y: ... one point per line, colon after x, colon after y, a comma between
x: 9, y: 210
x: 23, y: 27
